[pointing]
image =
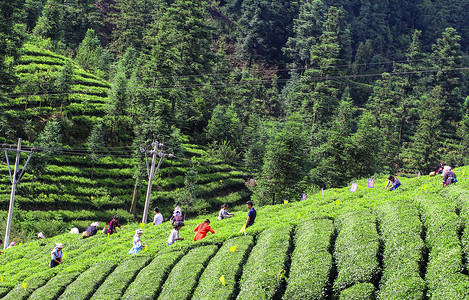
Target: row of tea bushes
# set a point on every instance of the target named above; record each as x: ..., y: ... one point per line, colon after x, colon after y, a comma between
x: 87, y: 283
x: 184, y: 276
x: 264, y: 273
x: 228, y: 264
x: 311, y: 267
x: 444, y: 276
x: 356, y: 250
x: 404, y: 251
x: 148, y: 283
x: 122, y: 276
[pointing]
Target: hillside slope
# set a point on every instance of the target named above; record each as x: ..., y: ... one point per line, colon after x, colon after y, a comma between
x: 74, y: 189
x: 411, y: 243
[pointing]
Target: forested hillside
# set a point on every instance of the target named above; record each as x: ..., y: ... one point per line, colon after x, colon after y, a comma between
x: 300, y: 95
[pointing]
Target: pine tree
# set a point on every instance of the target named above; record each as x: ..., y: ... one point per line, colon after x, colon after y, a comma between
x: 446, y: 56
x: 333, y: 157
x: 131, y: 20
x: 91, y: 56
x: 307, y: 28
x: 427, y: 139
x: 95, y: 143
x: 10, y: 38
x: 366, y: 145
x: 286, y: 164
x: 48, y: 143
x: 319, y: 88
x: 386, y: 106
x: 181, y: 55
x: 50, y: 24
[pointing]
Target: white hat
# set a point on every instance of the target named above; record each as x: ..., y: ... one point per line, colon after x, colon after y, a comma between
x: 95, y: 224
x: 40, y: 235
x: 59, y: 245
x: 139, y: 231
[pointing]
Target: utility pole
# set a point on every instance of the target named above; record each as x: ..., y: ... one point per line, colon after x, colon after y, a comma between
x: 15, y: 178
x: 151, y: 174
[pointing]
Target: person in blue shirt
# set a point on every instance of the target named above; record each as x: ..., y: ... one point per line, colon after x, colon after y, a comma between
x: 137, y: 243
x: 393, y: 183
x: 56, y: 255
x: 251, y: 214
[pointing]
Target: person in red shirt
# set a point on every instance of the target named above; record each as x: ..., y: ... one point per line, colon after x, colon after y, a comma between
x: 202, y: 229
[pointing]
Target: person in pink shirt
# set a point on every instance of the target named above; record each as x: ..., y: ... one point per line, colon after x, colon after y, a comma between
x: 202, y: 229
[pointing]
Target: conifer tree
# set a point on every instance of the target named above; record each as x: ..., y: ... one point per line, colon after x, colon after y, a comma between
x: 286, y: 164
x: 319, y: 88
x: 427, y: 140
x: 333, y: 157
x: 306, y: 28
x: 446, y: 56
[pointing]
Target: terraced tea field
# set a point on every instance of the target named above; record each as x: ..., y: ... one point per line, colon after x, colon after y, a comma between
x: 411, y: 243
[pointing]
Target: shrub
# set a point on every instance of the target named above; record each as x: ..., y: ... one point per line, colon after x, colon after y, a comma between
x: 149, y: 281
x: 403, y: 251
x: 360, y: 291
x: 184, y: 276
x: 263, y: 274
x: 120, y: 278
x: 356, y: 249
x: 444, y: 277
x: 54, y: 287
x: 311, y: 264
x: 87, y: 282
x: 227, y: 264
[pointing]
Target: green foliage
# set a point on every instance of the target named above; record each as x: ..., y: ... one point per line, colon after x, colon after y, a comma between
x: 225, y: 263
x: 311, y: 267
x: 264, y: 272
x: 356, y: 250
x: 149, y: 281
x: 444, y: 267
x: 360, y: 291
x: 118, y: 281
x: 91, y: 55
x: 404, y: 251
x: 86, y: 284
x: 184, y: 276
x: 285, y: 165
x: 54, y: 287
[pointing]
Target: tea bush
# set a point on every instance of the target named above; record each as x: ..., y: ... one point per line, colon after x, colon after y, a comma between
x: 54, y: 287
x: 149, y: 281
x: 311, y: 265
x: 225, y: 263
x: 264, y: 271
x: 185, y: 275
x: 404, y: 251
x: 444, y: 270
x: 120, y: 278
x: 360, y: 291
x: 87, y: 283
x: 356, y: 249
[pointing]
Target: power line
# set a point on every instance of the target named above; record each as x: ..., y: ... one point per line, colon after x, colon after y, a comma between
x: 351, y: 65
x: 254, y: 82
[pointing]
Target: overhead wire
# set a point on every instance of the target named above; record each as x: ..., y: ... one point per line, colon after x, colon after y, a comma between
x: 258, y: 69
x: 253, y: 83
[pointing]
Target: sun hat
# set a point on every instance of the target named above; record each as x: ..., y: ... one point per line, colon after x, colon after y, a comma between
x: 59, y: 245
x: 139, y: 231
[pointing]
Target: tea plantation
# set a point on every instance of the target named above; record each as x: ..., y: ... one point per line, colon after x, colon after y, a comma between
x: 75, y: 189
x: 411, y: 243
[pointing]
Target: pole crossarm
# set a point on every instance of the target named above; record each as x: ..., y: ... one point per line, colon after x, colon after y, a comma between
x: 152, y: 170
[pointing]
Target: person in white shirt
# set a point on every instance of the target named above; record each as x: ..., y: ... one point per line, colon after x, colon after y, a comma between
x: 158, y: 219
x: 174, y: 235
x: 74, y: 230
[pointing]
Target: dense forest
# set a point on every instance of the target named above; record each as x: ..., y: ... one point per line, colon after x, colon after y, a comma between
x: 302, y: 93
